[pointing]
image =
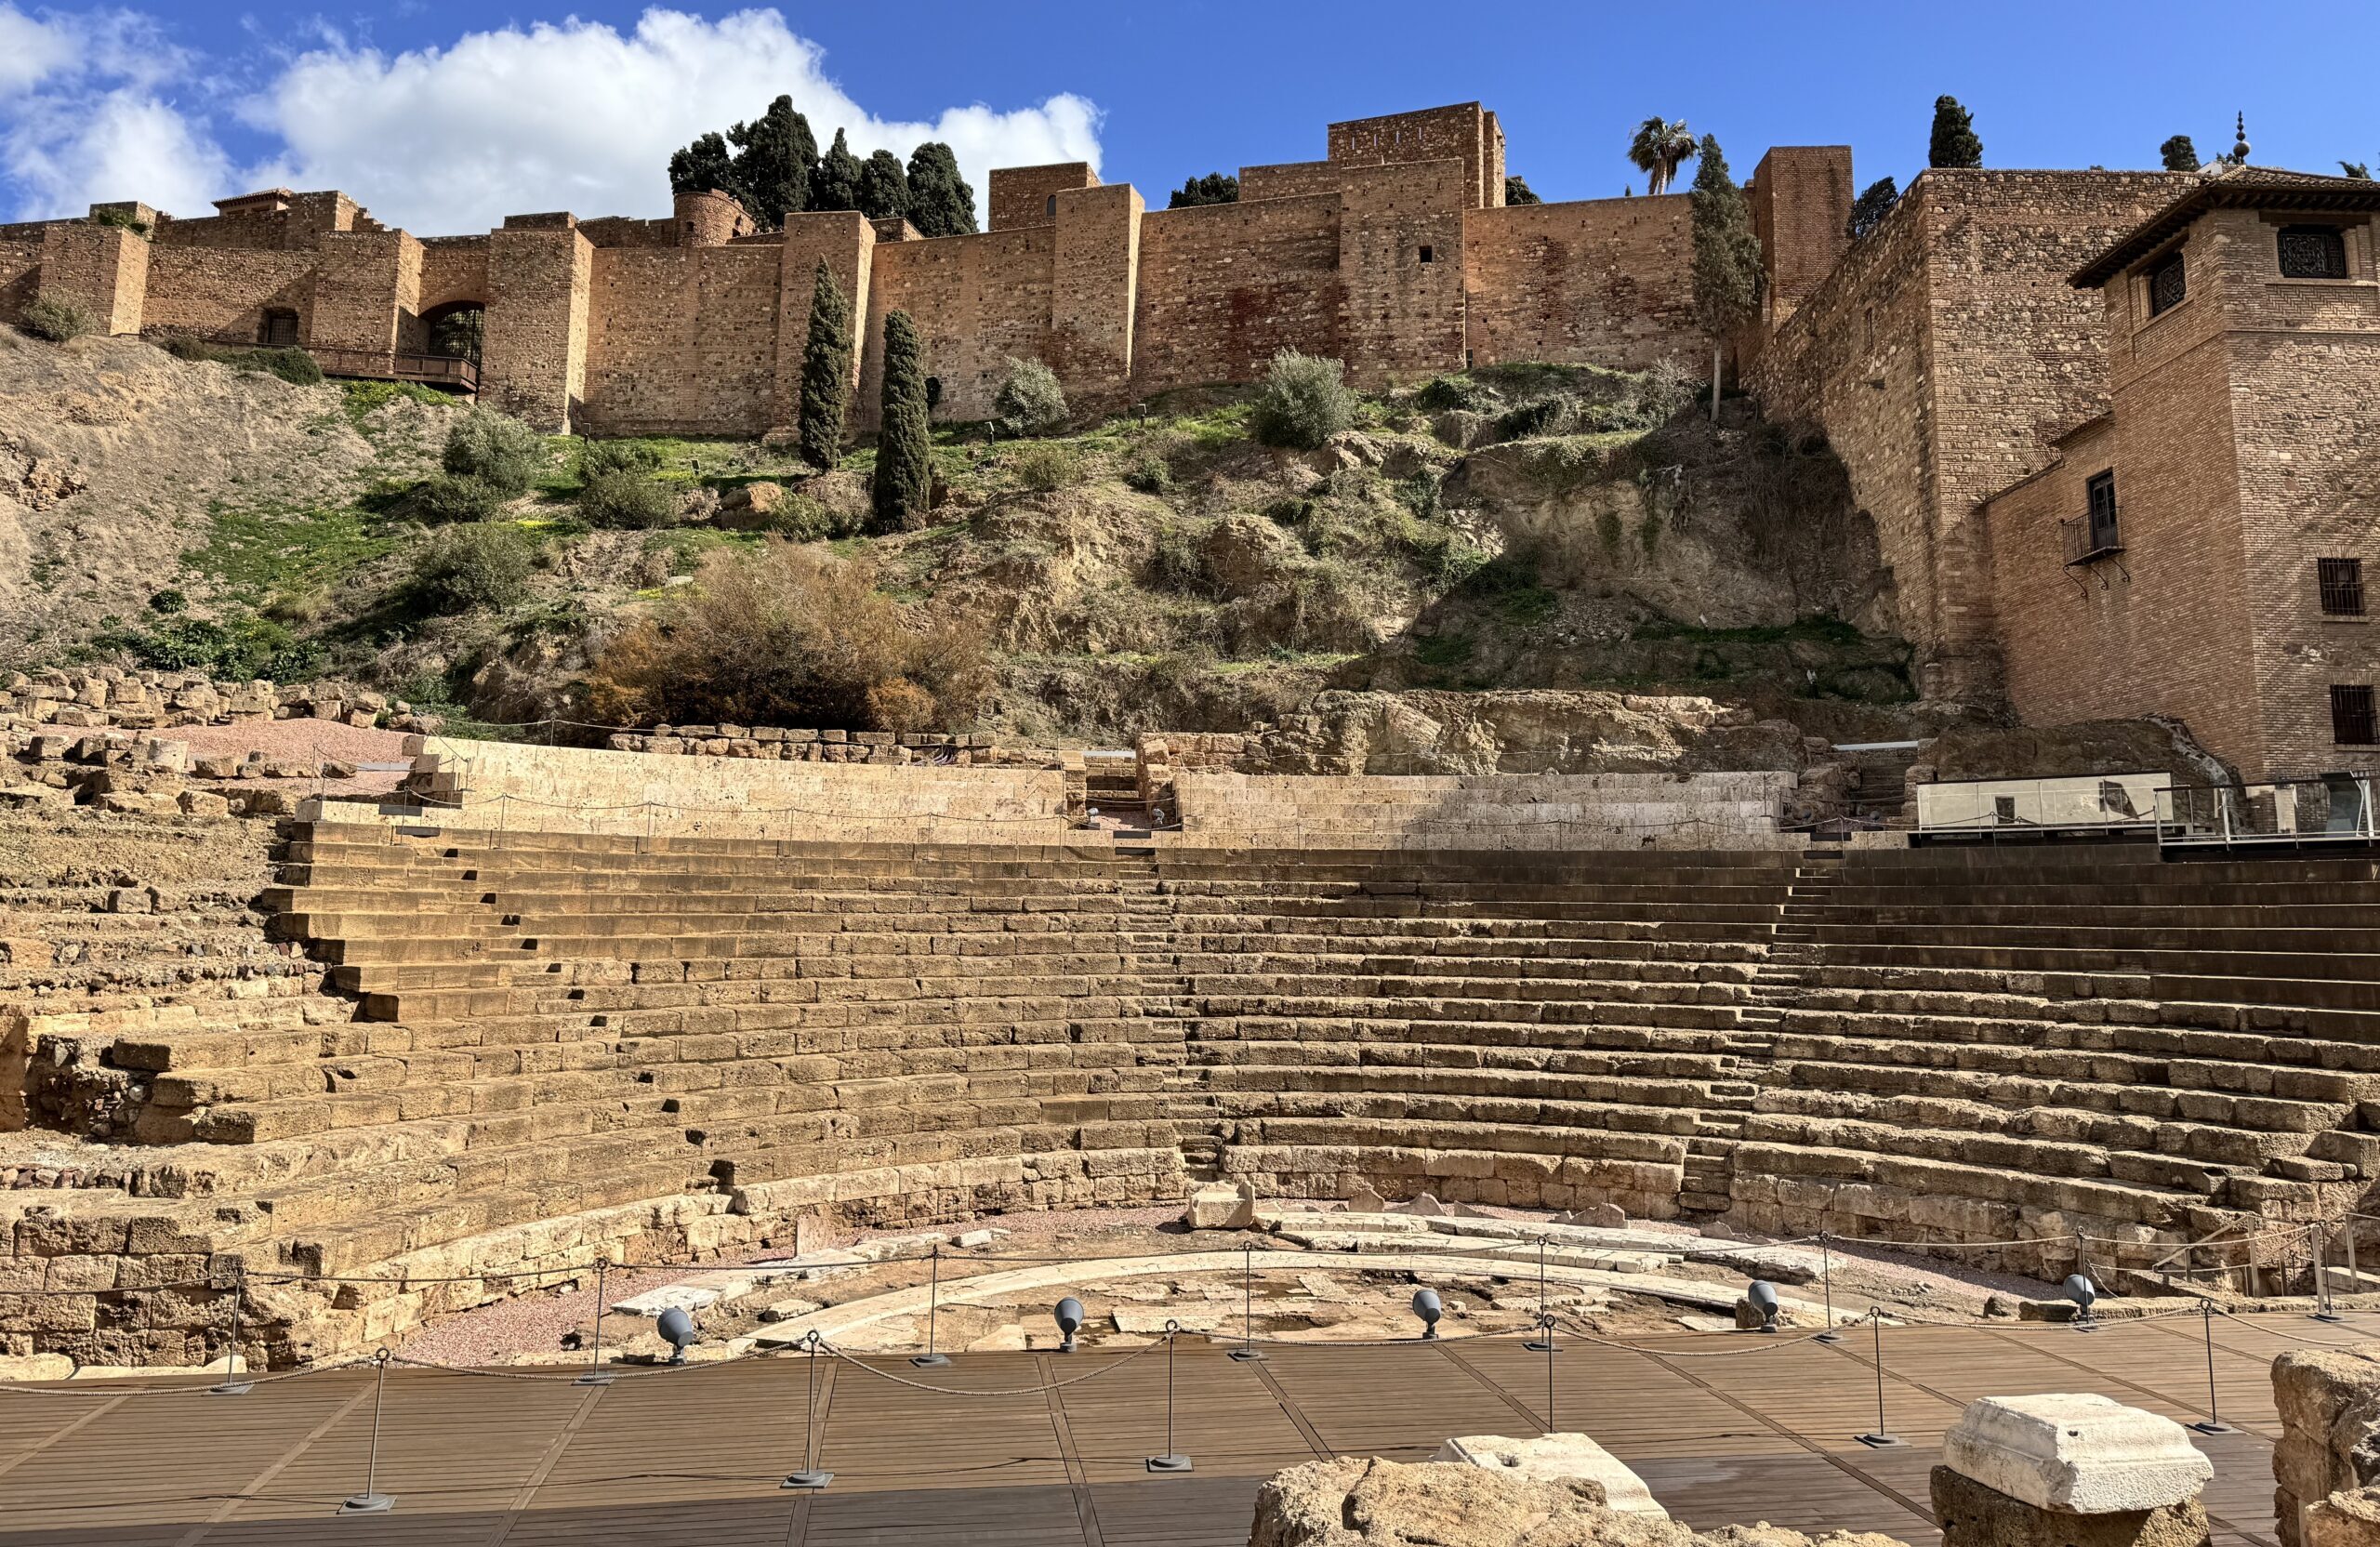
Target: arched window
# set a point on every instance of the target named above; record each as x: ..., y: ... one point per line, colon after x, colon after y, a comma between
x: 2313, y: 252
x: 1049, y: 206
x: 455, y: 330
x: 933, y: 393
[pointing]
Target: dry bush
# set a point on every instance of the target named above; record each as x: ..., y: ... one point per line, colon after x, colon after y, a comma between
x: 793, y: 635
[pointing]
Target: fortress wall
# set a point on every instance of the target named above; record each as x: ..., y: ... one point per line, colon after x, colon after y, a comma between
x: 1400, y: 270
x: 846, y: 241
x: 1461, y: 132
x: 454, y: 269
x: 1801, y: 198
x: 213, y: 290
x: 682, y: 340
x: 19, y: 275
x: 1021, y: 196
x: 366, y: 282
x: 1294, y: 180
x: 1094, y: 273
x: 1223, y: 287
x: 1601, y: 282
x: 540, y: 281
x: 1941, y: 357
x: 978, y: 301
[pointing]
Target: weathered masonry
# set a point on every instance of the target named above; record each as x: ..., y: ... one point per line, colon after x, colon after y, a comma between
x: 1396, y: 254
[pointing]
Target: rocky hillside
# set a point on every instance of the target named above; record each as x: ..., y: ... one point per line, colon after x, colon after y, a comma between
x: 1520, y: 529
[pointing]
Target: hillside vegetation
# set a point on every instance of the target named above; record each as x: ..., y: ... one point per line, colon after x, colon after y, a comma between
x: 1521, y: 527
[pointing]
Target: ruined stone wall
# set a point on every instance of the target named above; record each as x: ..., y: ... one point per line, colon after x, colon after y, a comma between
x: 683, y: 340
x: 1224, y: 287
x: 1602, y: 282
x: 1941, y: 357
x: 978, y: 301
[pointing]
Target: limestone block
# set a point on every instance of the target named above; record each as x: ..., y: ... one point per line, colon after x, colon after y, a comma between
x: 2345, y: 1520
x: 1552, y: 1456
x: 2078, y: 1453
x: 1221, y: 1207
x: 1975, y: 1516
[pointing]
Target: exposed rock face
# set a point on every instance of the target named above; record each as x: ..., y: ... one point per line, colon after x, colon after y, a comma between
x: 2326, y: 1467
x: 1522, y: 732
x: 1358, y: 1501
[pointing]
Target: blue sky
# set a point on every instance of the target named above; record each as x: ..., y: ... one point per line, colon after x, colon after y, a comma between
x: 442, y: 115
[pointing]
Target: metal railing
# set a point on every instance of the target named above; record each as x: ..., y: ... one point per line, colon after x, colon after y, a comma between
x: 2323, y: 809
x: 2087, y: 537
x: 436, y: 370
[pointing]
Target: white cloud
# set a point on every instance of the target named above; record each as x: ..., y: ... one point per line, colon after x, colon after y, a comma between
x: 85, y: 115
x: 576, y: 115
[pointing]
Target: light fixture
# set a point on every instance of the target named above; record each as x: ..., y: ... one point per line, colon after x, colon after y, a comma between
x: 1427, y: 1306
x: 677, y: 1329
x: 1069, y: 1318
x: 2081, y: 1290
x: 1763, y: 1295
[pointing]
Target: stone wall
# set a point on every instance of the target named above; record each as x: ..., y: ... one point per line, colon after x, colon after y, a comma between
x: 2326, y: 1465
x: 978, y: 302
x: 1224, y: 287
x: 1020, y: 196
x: 683, y: 339
x: 1602, y: 282
x: 218, y: 292
x: 540, y: 271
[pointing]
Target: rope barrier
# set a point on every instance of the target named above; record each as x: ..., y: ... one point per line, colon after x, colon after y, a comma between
x: 1111, y: 1366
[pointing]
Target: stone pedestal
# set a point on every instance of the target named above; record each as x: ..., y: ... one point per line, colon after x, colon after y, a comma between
x: 2068, y: 1470
x: 1556, y: 1456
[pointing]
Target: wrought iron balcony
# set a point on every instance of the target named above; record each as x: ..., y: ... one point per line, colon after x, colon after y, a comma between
x: 2089, y: 538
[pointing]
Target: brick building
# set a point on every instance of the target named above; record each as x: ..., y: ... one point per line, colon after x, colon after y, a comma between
x: 1396, y: 254
x: 2198, y: 548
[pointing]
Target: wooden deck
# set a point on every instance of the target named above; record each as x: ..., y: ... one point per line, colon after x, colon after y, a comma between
x: 696, y: 1456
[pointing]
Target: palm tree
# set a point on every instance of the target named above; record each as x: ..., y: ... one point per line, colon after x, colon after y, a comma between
x: 1659, y: 149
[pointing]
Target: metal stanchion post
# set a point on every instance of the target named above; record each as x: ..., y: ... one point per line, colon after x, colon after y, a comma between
x: 1173, y: 1460
x: 1248, y: 1352
x: 1826, y: 1276
x: 2317, y: 1244
x: 1880, y: 1437
x: 2214, y: 1424
x: 1546, y: 1322
x: 1543, y: 1342
x: 810, y: 1479
x: 372, y: 1501
x: 596, y: 1374
x: 231, y: 1385
x: 931, y: 1358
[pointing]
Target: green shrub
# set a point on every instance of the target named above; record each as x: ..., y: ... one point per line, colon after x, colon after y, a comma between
x: 803, y: 520
x: 598, y: 457
x: 122, y: 219
x: 241, y: 647
x: 1149, y: 473
x: 1046, y: 466
x: 292, y: 365
x: 1545, y: 415
x: 625, y: 497
x: 501, y: 453
x: 1174, y: 564
x: 1030, y: 401
x: 168, y: 600
x: 55, y: 320
x: 1452, y: 391
x: 448, y: 497
x: 483, y: 564
x: 1301, y: 402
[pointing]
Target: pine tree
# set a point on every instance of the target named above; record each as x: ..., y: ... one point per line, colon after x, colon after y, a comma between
x: 1954, y: 142
x: 1216, y: 187
x: 940, y: 203
x: 825, y: 371
x: 1517, y: 192
x: 773, y: 157
x: 835, y: 185
x: 883, y: 187
x: 2179, y: 154
x: 904, y: 449
x: 704, y: 167
x: 1726, y: 257
x: 1875, y: 201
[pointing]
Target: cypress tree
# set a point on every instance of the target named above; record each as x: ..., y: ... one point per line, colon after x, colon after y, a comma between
x: 773, y: 157
x: 1726, y: 257
x: 940, y: 203
x: 835, y: 183
x: 1954, y: 142
x: 2179, y: 154
x: 904, y: 451
x: 825, y: 371
x: 1517, y: 192
x: 704, y: 166
x: 1216, y: 187
x: 883, y: 187
x: 1875, y: 201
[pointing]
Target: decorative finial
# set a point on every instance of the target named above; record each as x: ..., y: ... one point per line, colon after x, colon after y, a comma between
x: 2239, y: 144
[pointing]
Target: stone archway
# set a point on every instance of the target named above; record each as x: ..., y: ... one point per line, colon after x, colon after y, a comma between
x: 456, y: 329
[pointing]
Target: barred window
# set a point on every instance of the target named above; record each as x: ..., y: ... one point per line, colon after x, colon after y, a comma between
x: 2313, y: 252
x: 2342, y: 586
x: 279, y: 329
x: 2169, y: 283
x: 2352, y: 721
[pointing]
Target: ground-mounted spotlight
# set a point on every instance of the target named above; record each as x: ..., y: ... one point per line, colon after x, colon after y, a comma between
x: 677, y: 1329
x: 1069, y: 1319
x: 2081, y: 1290
x: 1763, y: 1295
x: 1429, y: 1308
